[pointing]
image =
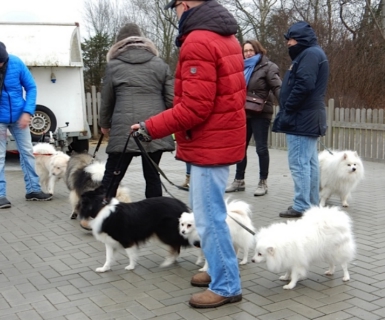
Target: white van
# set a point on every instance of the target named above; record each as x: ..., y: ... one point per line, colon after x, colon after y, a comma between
x: 52, y: 52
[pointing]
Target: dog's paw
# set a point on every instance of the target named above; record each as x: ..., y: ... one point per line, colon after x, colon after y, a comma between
x: 73, y: 215
x: 199, y: 261
x: 243, y: 262
x: 102, y: 269
x: 167, y: 262
x: 130, y: 267
x: 203, y: 269
x: 329, y: 273
x: 347, y: 278
x: 284, y: 278
x: 345, y: 204
x: 289, y: 286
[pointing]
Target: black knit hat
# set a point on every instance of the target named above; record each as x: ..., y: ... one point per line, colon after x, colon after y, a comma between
x: 128, y: 30
x: 3, y: 53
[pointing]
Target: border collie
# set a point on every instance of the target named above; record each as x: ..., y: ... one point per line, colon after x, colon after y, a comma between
x: 128, y: 225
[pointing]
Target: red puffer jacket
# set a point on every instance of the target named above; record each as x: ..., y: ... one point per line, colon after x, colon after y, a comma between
x: 208, y: 116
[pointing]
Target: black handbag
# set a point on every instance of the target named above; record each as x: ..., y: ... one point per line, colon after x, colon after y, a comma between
x: 254, y: 104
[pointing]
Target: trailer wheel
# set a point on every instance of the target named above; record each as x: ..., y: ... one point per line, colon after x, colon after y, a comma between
x: 43, y: 121
x: 79, y: 146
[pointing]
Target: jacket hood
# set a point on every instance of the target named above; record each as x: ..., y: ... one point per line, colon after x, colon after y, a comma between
x: 125, y: 50
x: 303, y: 33
x: 209, y: 16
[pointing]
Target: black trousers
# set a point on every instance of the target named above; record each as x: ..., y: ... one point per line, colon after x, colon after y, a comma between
x: 151, y: 175
x: 259, y: 127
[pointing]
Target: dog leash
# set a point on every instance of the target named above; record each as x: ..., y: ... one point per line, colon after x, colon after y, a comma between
x: 116, y: 172
x: 156, y: 167
x: 325, y: 147
x: 98, y: 145
x: 140, y: 146
x: 242, y: 225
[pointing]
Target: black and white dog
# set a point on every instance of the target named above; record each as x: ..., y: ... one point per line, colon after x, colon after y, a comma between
x: 128, y: 225
x: 83, y: 174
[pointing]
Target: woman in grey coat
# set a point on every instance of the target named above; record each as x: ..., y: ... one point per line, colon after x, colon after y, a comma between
x: 137, y: 85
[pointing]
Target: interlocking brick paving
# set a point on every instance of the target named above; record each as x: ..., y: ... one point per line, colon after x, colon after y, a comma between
x: 47, y: 261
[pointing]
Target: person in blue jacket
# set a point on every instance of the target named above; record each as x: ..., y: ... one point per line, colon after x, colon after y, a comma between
x: 302, y: 114
x: 15, y: 115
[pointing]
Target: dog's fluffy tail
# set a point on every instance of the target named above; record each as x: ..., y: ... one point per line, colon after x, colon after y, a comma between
x: 239, y: 207
x: 123, y: 194
x: 335, y: 223
x: 44, y: 149
x: 96, y: 170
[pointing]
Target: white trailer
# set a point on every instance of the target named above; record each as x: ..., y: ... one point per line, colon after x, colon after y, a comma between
x: 52, y: 52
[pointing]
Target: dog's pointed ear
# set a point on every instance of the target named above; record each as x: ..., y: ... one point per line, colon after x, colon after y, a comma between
x: 344, y: 156
x: 271, y: 251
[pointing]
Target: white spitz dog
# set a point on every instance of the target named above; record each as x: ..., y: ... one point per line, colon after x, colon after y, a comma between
x: 340, y: 173
x: 321, y: 235
x: 50, y: 165
x: 242, y: 239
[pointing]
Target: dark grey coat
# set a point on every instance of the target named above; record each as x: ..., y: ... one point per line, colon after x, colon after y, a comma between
x: 265, y: 82
x: 137, y: 85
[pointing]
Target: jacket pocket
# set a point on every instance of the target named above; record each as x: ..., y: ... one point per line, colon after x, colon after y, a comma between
x: 288, y: 121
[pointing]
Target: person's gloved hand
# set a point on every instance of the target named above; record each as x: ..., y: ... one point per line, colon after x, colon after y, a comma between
x: 141, y: 132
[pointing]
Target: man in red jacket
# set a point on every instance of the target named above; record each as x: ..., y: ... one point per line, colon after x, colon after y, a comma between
x: 208, y: 118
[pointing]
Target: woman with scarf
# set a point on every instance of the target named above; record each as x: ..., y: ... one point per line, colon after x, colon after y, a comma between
x: 263, y: 80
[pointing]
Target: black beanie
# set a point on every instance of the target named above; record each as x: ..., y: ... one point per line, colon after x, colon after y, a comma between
x: 3, y: 53
x: 128, y: 30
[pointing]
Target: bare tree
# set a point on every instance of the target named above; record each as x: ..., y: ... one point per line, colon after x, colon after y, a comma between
x: 104, y: 16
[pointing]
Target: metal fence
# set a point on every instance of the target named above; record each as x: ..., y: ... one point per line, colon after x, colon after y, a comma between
x: 362, y: 130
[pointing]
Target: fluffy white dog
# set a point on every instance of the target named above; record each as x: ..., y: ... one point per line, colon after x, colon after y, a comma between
x: 340, y: 173
x: 242, y: 239
x: 322, y: 234
x: 50, y: 164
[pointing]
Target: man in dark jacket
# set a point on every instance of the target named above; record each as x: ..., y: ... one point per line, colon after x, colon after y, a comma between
x: 209, y: 122
x: 302, y: 114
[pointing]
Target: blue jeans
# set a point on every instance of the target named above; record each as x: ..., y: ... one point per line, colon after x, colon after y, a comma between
x: 188, y: 168
x: 207, y: 188
x: 27, y: 159
x: 304, y: 167
x: 259, y: 127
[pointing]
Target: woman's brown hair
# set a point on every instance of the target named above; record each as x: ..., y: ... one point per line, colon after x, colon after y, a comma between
x: 258, y: 48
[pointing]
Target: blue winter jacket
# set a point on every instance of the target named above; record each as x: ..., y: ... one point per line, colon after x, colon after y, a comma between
x: 12, y: 102
x: 302, y: 106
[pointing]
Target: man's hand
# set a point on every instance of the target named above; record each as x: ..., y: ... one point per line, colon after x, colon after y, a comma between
x: 105, y: 131
x: 135, y: 127
x: 24, y: 120
x: 140, y: 131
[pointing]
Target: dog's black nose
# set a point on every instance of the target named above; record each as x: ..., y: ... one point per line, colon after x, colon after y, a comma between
x: 252, y: 260
x: 354, y: 169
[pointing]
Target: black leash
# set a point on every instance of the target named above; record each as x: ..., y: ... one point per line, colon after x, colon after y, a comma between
x: 156, y: 167
x: 98, y: 145
x: 116, y: 172
x: 242, y: 225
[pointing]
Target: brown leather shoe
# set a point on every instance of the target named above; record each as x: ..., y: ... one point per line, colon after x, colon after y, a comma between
x: 209, y: 299
x: 201, y: 279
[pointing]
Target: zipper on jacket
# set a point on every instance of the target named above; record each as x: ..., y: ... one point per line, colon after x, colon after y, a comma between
x: 9, y: 101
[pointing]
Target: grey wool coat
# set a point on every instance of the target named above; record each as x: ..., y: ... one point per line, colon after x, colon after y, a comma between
x: 137, y: 85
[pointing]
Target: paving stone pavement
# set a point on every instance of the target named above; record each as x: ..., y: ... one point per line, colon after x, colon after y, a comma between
x: 47, y: 261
